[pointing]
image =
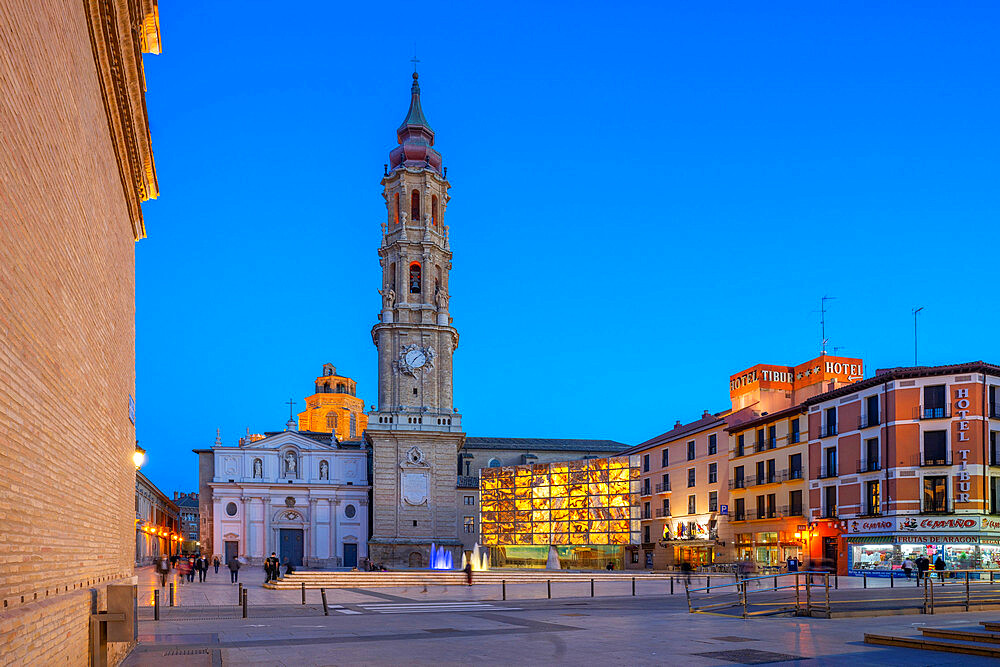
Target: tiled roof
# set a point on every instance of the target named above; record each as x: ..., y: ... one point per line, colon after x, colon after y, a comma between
x: 679, y: 432
x: 764, y: 418
x: 903, y: 373
x: 186, y: 501
x: 545, y: 444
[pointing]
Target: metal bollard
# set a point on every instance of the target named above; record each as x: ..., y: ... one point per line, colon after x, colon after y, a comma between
x: 591, y: 588
x: 776, y: 582
x: 156, y: 604
x: 633, y: 586
x: 326, y: 610
x: 671, y: 585
x: 503, y: 587
x: 548, y: 587
x: 836, y: 582
x: 171, y: 594
x: 303, y: 592
x: 865, y: 578
x: 239, y: 595
x: 244, y: 603
x: 708, y: 583
x: 892, y: 581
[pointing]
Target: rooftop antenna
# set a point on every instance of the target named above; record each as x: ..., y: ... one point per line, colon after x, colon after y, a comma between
x: 822, y: 322
x: 915, y: 311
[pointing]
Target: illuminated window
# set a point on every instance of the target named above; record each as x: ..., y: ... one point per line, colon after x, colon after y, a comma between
x: 469, y: 524
x: 415, y: 206
x: 414, y: 278
x: 331, y: 419
x: 396, y: 210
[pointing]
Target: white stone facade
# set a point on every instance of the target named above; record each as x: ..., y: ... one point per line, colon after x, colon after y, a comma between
x: 294, y: 495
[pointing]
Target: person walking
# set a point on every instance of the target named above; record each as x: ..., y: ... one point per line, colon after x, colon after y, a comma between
x: 793, y: 564
x: 908, y: 568
x: 234, y: 569
x: 202, y: 565
x: 923, y: 565
x: 288, y: 567
x: 468, y: 573
x: 686, y: 571
x: 940, y: 567
x: 184, y: 568
x: 275, y: 566
x: 267, y: 570
x: 163, y: 569
x: 216, y: 562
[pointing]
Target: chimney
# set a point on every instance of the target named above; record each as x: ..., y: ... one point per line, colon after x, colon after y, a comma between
x: 175, y: 495
x: 678, y: 424
x: 705, y: 414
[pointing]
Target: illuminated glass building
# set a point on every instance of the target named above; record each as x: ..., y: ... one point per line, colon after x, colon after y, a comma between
x: 588, y: 511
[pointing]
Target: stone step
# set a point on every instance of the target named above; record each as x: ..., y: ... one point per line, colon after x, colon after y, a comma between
x: 963, y: 635
x: 438, y: 578
x: 932, y: 645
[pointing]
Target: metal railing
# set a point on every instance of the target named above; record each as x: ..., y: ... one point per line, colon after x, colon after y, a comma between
x: 660, y: 513
x: 867, y: 421
x: 468, y: 482
x: 663, y: 488
x: 768, y: 513
x: 794, y: 592
x: 934, y: 412
x: 827, y: 430
x: 935, y: 459
x: 826, y: 471
x: 738, y: 483
x: 644, y: 491
x: 865, y: 465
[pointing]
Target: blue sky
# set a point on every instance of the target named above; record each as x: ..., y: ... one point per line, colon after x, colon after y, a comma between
x: 644, y: 201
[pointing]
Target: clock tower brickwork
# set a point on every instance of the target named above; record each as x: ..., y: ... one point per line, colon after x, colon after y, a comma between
x: 415, y: 433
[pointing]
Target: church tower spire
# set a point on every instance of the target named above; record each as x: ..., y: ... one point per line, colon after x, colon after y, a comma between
x: 415, y: 432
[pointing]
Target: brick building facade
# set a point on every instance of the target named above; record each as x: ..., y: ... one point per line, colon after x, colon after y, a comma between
x: 75, y: 164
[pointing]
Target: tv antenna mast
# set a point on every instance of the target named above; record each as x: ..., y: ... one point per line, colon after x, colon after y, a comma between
x: 822, y: 322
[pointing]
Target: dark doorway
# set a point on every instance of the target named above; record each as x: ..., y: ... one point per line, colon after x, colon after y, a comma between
x: 830, y: 552
x: 350, y: 555
x: 291, y: 546
x: 232, y: 550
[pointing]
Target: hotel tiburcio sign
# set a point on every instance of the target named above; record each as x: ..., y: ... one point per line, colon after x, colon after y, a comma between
x: 923, y: 524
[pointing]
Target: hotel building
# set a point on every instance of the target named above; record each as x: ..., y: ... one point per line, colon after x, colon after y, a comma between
x: 683, y: 480
x: 769, y: 459
x: 906, y: 464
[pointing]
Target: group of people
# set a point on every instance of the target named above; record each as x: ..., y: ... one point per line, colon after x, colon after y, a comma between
x: 368, y: 565
x: 185, y: 566
x: 272, y: 568
x: 922, y: 565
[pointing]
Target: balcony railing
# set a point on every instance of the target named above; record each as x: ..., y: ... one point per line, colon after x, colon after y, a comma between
x: 935, y: 459
x: 738, y: 483
x: 794, y: 437
x: 934, y: 412
x: 995, y: 411
x: 468, y: 482
x: 644, y: 491
x: 867, y: 421
x: 646, y: 514
x: 768, y: 513
x: 660, y: 513
x: 663, y: 488
x: 936, y: 508
x: 868, y: 466
x: 795, y: 473
x: 827, y: 430
x: 759, y: 446
x: 827, y: 471
x: 829, y: 513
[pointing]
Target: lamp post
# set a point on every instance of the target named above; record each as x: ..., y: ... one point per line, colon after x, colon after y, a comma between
x: 138, y: 456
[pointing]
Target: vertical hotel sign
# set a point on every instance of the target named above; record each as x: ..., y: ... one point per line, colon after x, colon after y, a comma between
x: 963, y: 480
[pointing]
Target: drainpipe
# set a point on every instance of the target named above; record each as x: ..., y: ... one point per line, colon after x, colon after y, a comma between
x: 986, y: 435
x: 885, y: 438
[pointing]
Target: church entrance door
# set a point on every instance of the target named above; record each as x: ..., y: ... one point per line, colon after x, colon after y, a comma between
x: 232, y: 550
x: 291, y: 546
x: 350, y: 555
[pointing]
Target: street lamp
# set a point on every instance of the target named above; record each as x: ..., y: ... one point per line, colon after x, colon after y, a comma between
x: 138, y: 456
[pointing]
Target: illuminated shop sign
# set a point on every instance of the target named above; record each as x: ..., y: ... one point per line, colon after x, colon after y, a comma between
x: 822, y: 369
x: 963, y: 480
x: 918, y: 524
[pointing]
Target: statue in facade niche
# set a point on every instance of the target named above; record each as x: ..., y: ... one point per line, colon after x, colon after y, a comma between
x: 324, y: 470
x: 258, y: 472
x: 290, y: 463
x: 388, y: 298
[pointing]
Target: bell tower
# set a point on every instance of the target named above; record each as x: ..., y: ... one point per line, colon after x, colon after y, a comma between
x: 415, y: 432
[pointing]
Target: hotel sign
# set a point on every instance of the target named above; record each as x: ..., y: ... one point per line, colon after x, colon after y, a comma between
x: 924, y: 524
x: 821, y: 369
x: 963, y: 480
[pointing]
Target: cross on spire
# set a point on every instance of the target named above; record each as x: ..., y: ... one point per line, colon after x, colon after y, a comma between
x: 291, y: 409
x: 414, y: 60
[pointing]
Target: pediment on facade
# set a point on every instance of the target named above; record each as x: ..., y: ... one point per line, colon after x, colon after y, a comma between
x: 289, y: 438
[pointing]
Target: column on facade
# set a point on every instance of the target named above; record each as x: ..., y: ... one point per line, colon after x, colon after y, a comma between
x: 312, y: 536
x: 245, y: 537
x: 266, y: 519
x: 333, y: 531
x: 363, y: 528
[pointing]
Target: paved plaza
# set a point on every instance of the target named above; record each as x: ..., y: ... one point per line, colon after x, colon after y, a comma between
x: 459, y: 625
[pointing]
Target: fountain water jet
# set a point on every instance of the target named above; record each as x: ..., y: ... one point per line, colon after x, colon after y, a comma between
x: 440, y: 558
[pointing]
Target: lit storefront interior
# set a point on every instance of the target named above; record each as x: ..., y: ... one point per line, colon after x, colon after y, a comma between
x: 587, y: 510
x: 972, y: 543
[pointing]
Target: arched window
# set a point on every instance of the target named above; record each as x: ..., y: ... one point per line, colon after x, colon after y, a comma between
x: 415, y: 278
x: 354, y: 425
x: 415, y: 206
x: 396, y: 211
x: 392, y: 276
x: 494, y: 463
x: 434, y: 210
x: 331, y: 420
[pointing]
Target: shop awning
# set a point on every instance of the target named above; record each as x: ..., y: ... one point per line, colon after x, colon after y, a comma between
x: 870, y: 539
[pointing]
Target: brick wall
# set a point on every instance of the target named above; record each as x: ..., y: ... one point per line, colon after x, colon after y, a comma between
x: 67, y: 357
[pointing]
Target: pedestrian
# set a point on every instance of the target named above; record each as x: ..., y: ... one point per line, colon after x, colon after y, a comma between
x: 610, y: 565
x: 184, y: 568
x: 202, y: 565
x: 468, y: 573
x: 190, y: 571
x: 163, y: 568
x: 940, y: 567
x: 288, y: 567
x: 216, y: 563
x: 275, y: 571
x: 793, y: 564
x: 234, y: 569
x: 923, y: 565
x: 908, y: 567
x: 686, y: 571
x: 267, y: 570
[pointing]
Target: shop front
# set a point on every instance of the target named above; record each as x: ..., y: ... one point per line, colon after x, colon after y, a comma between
x: 878, y: 547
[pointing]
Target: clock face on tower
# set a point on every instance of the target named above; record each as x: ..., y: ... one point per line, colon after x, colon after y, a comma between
x: 413, y: 359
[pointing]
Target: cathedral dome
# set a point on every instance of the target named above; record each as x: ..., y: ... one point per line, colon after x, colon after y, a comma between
x: 415, y: 137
